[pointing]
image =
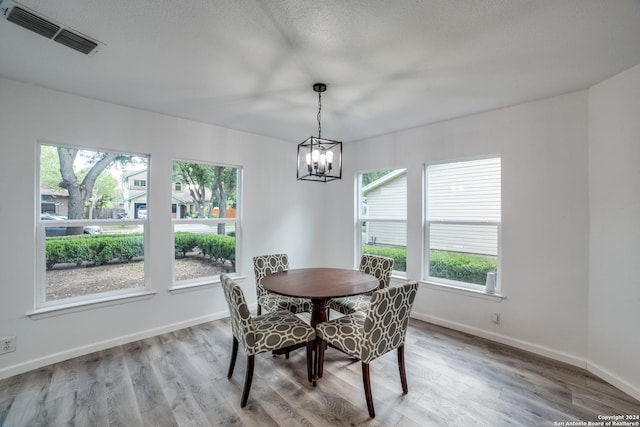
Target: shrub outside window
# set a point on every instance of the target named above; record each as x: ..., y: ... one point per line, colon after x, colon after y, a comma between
x: 88, y: 247
x: 205, y: 215
x: 462, y: 225
x: 382, y: 215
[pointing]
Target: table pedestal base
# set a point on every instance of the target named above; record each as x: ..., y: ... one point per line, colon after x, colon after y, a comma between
x: 318, y: 315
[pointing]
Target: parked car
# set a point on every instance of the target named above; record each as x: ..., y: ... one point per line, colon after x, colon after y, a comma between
x: 61, y: 230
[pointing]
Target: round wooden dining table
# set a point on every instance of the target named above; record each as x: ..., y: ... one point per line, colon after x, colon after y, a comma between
x: 319, y: 285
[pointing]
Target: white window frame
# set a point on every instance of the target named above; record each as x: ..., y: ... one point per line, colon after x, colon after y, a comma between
x: 361, y: 219
x: 427, y: 222
x: 178, y: 285
x: 41, y: 304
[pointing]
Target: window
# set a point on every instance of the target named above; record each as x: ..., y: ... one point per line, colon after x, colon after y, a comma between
x: 462, y: 225
x: 205, y: 223
x: 139, y: 182
x: 382, y: 215
x: 88, y: 247
x: 178, y: 186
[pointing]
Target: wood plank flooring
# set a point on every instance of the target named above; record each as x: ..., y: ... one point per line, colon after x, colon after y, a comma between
x: 179, y: 379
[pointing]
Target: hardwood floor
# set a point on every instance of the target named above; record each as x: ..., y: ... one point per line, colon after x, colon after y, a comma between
x: 179, y: 379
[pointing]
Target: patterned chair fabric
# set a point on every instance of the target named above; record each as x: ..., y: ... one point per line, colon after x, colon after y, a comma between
x: 368, y: 335
x: 265, y: 265
x: 378, y: 266
x: 260, y: 334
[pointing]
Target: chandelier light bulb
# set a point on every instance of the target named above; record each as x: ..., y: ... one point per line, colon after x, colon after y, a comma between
x: 322, y: 163
x: 330, y: 156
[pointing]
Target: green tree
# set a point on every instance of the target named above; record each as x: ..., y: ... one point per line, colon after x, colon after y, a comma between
x: 197, y: 176
x: 81, y: 189
x: 49, y: 168
x: 369, y: 177
x: 105, y: 190
x: 223, y: 187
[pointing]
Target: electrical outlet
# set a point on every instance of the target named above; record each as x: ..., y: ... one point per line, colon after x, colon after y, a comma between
x: 495, y: 318
x: 7, y: 345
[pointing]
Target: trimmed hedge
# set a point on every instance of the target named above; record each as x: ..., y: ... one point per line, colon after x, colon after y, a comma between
x: 399, y: 255
x: 101, y: 249
x: 447, y: 265
x: 66, y: 250
x: 218, y: 247
x: 184, y: 242
x: 461, y: 267
x: 96, y: 249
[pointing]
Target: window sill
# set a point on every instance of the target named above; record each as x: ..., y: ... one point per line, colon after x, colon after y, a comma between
x: 57, y: 310
x: 196, y: 284
x: 463, y: 291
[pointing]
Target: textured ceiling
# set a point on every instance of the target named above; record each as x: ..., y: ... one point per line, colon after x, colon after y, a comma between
x: 389, y: 65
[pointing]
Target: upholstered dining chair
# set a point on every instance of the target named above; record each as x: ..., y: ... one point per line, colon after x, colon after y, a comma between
x: 264, y: 265
x: 379, y: 267
x: 367, y: 336
x: 261, y: 334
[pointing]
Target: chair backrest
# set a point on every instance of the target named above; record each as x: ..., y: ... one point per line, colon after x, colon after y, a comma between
x: 385, y: 326
x: 264, y: 265
x: 241, y: 320
x: 379, y: 267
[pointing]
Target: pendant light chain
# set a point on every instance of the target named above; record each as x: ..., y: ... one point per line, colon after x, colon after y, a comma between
x: 319, y: 109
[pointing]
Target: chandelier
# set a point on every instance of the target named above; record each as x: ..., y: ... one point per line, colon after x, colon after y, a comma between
x: 319, y: 159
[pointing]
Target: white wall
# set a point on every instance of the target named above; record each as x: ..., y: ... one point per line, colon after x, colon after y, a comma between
x: 545, y: 269
x: 570, y: 230
x: 545, y: 226
x: 614, y: 195
x: 273, y: 220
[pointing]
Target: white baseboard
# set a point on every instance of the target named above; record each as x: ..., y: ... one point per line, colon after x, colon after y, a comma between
x: 614, y: 380
x: 103, y: 345
x: 503, y: 339
x: 523, y: 345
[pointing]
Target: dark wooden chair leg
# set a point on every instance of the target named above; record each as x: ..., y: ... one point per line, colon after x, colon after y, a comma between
x: 320, y: 346
x: 234, y: 354
x: 403, y: 373
x: 286, y: 354
x: 310, y: 361
x: 259, y: 309
x: 247, y: 380
x: 366, y: 379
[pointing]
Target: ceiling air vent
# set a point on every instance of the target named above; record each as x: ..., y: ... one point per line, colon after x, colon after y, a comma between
x: 32, y: 21
x: 75, y: 41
